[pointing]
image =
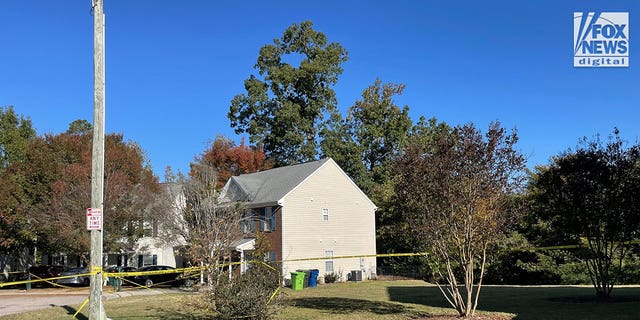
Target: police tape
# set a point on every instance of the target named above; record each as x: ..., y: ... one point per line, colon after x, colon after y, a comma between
x: 193, y: 270
x: 577, y: 246
x: 379, y: 255
x: 38, y: 279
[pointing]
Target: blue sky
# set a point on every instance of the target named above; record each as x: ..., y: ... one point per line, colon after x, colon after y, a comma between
x: 174, y: 66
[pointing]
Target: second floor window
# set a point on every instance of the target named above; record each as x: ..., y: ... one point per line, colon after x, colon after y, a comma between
x: 149, y: 228
x: 267, y: 219
x: 248, y: 223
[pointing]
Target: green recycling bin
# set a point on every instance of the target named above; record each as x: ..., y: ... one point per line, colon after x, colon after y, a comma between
x: 297, y: 280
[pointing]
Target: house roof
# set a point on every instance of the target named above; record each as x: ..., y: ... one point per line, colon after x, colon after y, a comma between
x: 269, y: 186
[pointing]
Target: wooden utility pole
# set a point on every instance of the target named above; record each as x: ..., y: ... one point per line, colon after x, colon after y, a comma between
x: 96, y: 309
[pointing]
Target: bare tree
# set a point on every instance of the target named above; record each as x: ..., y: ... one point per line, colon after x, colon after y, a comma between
x: 456, y: 190
x: 207, y: 226
x: 210, y: 227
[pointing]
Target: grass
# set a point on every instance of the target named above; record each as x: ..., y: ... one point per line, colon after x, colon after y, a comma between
x: 372, y: 300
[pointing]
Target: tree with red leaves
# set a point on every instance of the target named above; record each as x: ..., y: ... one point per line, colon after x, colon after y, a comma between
x: 50, y: 192
x: 228, y: 159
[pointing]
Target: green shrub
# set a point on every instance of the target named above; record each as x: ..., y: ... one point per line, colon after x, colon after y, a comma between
x: 253, y: 295
x: 631, y: 270
x: 331, y: 277
x: 249, y: 296
x: 522, y: 267
x: 574, y: 273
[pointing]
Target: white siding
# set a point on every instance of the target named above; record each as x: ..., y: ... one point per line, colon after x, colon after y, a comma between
x: 152, y: 246
x: 349, y: 231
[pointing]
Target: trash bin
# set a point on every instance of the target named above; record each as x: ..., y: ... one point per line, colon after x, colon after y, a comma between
x: 305, y: 282
x: 313, y: 278
x: 297, y: 280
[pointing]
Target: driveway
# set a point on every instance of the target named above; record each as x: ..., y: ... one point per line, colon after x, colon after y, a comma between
x: 17, y: 301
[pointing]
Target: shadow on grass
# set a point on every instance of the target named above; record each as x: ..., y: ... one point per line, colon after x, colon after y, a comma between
x: 534, y: 302
x: 71, y: 311
x: 179, y: 315
x: 171, y: 312
x: 348, y: 305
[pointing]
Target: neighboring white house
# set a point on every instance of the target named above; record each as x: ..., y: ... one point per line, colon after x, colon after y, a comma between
x: 309, y: 210
x: 158, y: 246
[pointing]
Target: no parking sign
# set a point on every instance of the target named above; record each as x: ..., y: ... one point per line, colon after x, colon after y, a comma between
x: 94, y: 219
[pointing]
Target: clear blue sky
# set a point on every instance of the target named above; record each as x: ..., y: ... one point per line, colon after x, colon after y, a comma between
x: 174, y: 66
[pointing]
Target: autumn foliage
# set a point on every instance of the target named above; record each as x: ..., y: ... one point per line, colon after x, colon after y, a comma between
x: 47, y: 194
x: 228, y: 159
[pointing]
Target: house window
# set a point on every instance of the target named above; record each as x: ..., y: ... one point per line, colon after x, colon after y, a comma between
x: 325, y: 214
x: 150, y: 228
x: 58, y: 260
x: 270, y: 256
x: 271, y: 219
x: 328, y: 264
x: 147, y: 260
x: 267, y: 219
x: 248, y: 223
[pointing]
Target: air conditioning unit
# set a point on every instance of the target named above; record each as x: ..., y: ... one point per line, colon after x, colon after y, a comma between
x: 356, y: 275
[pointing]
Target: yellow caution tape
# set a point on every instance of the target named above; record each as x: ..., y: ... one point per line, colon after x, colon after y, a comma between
x: 576, y: 246
x: 11, y: 272
x: 381, y: 255
x: 81, y: 306
x: 273, y: 295
x: 47, y: 280
x: 97, y: 269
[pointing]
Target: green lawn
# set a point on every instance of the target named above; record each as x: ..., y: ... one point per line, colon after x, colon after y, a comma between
x: 373, y: 300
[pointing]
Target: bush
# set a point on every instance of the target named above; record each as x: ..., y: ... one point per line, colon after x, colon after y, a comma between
x: 631, y: 270
x: 523, y: 267
x: 247, y: 296
x: 253, y: 295
x: 574, y: 273
x: 331, y: 277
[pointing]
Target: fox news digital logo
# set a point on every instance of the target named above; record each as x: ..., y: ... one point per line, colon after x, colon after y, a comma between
x: 601, y: 39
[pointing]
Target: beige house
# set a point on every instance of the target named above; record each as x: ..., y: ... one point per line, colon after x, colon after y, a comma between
x: 309, y: 210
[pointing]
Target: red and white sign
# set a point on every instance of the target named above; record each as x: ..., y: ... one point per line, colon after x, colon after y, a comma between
x: 94, y: 219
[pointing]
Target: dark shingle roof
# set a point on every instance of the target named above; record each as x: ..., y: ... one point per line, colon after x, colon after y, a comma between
x: 269, y: 186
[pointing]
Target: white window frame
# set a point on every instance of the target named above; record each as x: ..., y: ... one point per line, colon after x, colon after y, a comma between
x: 269, y: 223
x: 271, y: 256
x: 325, y: 214
x: 328, y: 264
x: 248, y: 223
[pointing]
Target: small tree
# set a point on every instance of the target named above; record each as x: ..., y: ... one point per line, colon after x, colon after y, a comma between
x: 591, y: 197
x: 208, y: 226
x: 456, y: 191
